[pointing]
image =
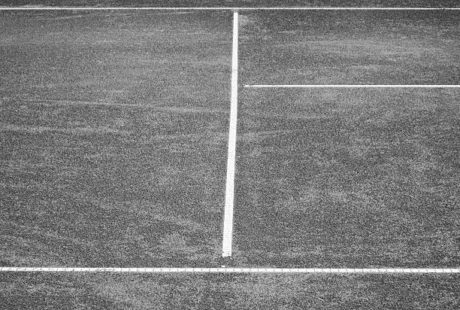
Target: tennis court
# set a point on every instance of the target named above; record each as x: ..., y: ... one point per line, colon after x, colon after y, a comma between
x: 349, y: 176
x: 114, y: 129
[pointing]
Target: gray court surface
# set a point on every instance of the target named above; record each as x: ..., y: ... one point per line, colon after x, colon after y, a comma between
x: 114, y: 131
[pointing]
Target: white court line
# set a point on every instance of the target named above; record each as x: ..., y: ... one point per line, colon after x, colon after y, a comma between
x: 235, y: 270
x: 231, y: 159
x: 351, y: 86
x: 73, y: 8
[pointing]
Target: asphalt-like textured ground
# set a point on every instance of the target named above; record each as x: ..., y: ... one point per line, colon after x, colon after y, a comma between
x: 114, y: 137
x: 113, y: 131
x: 349, y: 177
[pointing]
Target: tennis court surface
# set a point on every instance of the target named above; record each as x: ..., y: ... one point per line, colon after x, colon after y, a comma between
x: 114, y: 131
x: 349, y: 176
x: 113, y: 134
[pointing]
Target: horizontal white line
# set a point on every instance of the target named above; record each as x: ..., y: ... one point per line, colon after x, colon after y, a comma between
x: 352, y: 86
x: 238, y: 270
x: 69, y: 8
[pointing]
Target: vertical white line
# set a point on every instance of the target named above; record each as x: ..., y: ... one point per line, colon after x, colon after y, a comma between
x: 230, y: 183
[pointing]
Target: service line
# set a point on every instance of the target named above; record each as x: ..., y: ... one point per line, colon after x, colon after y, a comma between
x: 235, y: 270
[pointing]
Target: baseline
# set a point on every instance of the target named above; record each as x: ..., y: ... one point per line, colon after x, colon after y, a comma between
x: 76, y: 8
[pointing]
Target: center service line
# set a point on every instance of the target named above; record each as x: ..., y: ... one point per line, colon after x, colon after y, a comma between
x: 235, y: 270
x: 231, y: 159
x: 351, y: 86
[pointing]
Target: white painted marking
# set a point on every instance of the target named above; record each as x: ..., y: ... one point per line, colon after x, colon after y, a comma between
x: 350, y: 86
x: 231, y: 159
x: 235, y: 270
x: 74, y: 8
